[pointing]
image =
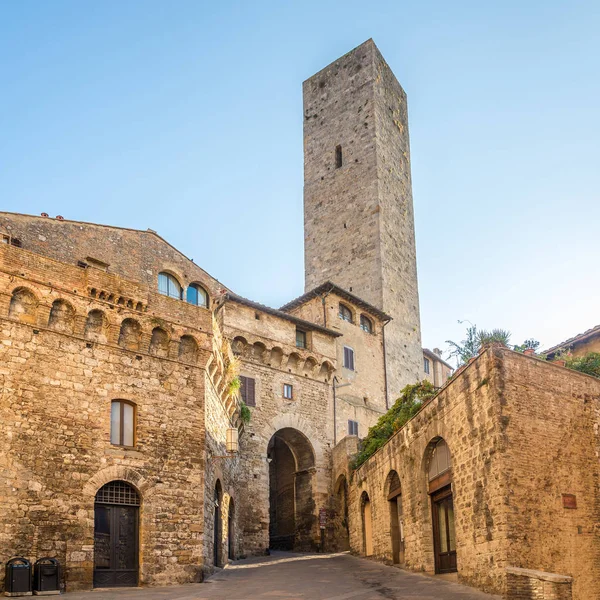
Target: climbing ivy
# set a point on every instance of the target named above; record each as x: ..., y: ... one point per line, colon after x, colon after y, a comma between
x: 406, y: 406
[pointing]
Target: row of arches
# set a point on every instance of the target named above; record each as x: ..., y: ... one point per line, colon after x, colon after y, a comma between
x: 62, y: 317
x: 276, y: 357
x: 391, y: 499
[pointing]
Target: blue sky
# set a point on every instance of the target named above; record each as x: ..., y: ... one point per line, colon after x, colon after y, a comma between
x: 186, y: 117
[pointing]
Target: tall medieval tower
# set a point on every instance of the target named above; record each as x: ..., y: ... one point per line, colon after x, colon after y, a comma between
x: 358, y: 208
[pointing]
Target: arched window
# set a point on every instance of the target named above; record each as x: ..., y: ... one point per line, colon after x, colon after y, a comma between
x: 122, y: 423
x: 197, y: 295
x: 440, y: 459
x: 345, y: 313
x: 366, y: 324
x: 169, y: 286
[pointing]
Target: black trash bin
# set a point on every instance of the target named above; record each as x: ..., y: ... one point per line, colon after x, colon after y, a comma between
x: 46, y: 576
x: 18, y: 576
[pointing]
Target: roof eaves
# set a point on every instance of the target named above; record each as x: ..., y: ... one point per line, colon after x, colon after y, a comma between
x: 281, y: 314
x: 578, y: 338
x: 328, y: 287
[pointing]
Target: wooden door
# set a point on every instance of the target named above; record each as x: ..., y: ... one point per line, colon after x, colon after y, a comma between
x: 115, y: 545
x: 368, y: 528
x: 444, y: 537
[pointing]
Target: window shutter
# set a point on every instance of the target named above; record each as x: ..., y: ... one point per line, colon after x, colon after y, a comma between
x: 250, y: 395
x: 349, y: 358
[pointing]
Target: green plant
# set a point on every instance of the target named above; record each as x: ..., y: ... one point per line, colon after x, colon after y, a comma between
x: 588, y: 363
x: 406, y: 406
x: 245, y: 413
x: 527, y: 345
x: 476, y: 340
x: 235, y: 384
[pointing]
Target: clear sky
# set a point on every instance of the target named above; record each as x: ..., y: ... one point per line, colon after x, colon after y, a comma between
x: 186, y: 117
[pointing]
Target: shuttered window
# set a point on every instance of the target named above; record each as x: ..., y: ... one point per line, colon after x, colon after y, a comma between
x: 348, y: 358
x: 352, y: 427
x: 247, y: 390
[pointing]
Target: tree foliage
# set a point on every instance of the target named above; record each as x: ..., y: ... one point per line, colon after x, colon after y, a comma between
x: 476, y: 340
x: 588, y: 363
x: 406, y: 406
x: 530, y: 344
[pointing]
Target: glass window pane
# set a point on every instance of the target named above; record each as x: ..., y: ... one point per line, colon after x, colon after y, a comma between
x: 443, y: 533
x: 202, y: 297
x: 163, y: 284
x: 192, y: 295
x: 115, y: 423
x: 127, y: 424
x: 451, y: 533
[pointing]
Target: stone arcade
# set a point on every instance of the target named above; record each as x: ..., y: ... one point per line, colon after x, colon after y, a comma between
x: 119, y: 359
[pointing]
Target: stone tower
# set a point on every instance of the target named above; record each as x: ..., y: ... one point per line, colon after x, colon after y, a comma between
x: 358, y: 208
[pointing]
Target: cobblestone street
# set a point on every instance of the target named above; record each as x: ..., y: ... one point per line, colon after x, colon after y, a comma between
x: 284, y: 576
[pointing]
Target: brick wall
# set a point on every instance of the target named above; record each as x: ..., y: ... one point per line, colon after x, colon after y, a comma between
x: 527, y: 584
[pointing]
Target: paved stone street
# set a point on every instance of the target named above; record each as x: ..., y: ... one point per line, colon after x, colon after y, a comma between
x: 286, y: 576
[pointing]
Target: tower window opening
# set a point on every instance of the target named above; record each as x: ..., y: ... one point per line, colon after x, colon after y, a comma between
x: 338, y: 157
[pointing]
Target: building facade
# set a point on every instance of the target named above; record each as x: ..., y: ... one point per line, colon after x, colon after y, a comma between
x: 129, y: 373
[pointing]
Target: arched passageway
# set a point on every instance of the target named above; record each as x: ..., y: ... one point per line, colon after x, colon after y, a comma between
x: 292, y: 513
x: 439, y: 478
x: 367, y: 523
x: 394, y: 496
x: 217, y: 528
x: 116, y: 535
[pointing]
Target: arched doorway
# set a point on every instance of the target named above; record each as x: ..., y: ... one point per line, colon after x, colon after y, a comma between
x: 442, y: 506
x: 218, y: 527
x: 367, y: 522
x: 116, y: 535
x: 341, y: 526
x: 394, y: 496
x: 292, y: 511
x: 231, y: 531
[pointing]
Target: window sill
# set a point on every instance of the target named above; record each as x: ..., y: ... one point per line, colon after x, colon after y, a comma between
x: 123, y: 451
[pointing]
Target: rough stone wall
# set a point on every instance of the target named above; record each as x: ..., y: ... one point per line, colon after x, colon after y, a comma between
x: 466, y: 415
x: 552, y: 417
x: 130, y: 253
x: 59, y: 378
x: 527, y: 584
x: 358, y: 218
x: 522, y: 434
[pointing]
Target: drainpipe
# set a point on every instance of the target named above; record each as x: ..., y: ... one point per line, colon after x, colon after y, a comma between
x: 385, y: 379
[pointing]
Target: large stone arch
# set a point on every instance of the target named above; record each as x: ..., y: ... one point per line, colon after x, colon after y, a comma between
x: 292, y: 505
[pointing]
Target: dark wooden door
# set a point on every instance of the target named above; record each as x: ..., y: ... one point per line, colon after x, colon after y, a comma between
x: 444, y: 538
x: 115, y: 546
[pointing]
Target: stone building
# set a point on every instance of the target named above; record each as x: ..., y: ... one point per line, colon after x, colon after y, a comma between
x: 126, y: 368
x: 435, y: 368
x: 497, y: 478
x: 579, y: 345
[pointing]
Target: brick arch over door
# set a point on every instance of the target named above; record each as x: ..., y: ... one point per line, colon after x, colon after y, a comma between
x: 116, y: 472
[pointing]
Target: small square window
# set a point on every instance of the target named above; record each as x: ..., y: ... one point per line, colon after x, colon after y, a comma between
x: 288, y: 391
x: 352, y: 427
x: 300, y: 339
